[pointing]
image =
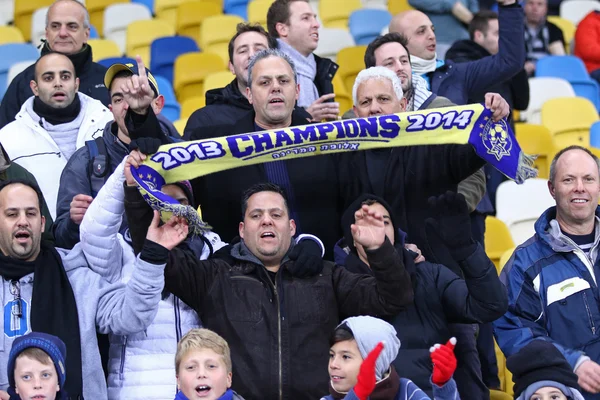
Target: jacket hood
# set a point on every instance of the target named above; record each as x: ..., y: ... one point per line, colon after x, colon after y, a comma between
x: 548, y: 229
x: 241, y: 252
x: 466, y: 50
x: 230, y: 94
x: 348, y: 220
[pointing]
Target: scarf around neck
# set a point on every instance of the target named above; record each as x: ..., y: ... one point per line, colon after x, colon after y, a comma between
x: 421, y: 66
x: 306, y: 67
x: 53, y: 306
x: 56, y: 116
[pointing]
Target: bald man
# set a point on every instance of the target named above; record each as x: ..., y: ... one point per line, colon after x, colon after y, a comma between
x: 459, y: 82
x: 67, y: 32
x: 52, y: 124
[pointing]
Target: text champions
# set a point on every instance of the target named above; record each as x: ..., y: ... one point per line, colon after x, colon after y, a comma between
x: 323, y: 137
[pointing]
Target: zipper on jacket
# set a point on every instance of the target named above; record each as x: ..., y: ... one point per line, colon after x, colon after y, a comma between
x: 123, y: 350
x: 589, y: 313
x: 177, y: 309
x: 274, y: 285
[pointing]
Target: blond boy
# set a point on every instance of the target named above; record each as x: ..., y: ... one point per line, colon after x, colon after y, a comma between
x: 203, y: 367
x: 36, y: 367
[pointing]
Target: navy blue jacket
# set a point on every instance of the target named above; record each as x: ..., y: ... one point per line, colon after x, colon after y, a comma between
x: 459, y: 82
x: 552, y: 295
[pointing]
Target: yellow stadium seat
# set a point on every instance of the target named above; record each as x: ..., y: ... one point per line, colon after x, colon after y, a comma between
x: 215, y: 33
x: 96, y: 11
x: 140, y: 35
x: 341, y: 94
x: 501, y: 362
x: 180, y: 125
x: 335, y: 13
x: 567, y: 27
x: 257, y: 11
x: 497, y: 240
x: 536, y: 139
x: 190, y: 70
x: 569, y: 120
x: 398, y: 6
x: 191, y: 104
x: 10, y: 34
x: 166, y: 10
x: 104, y: 48
x: 217, y: 80
x: 190, y: 16
x: 217, y: 2
x: 504, y: 258
x: 498, y: 395
x: 22, y: 15
x: 351, y: 62
x: 508, y: 379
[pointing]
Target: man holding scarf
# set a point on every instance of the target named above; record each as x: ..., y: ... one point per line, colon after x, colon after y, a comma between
x: 53, y: 291
x: 294, y: 24
x: 67, y: 32
x: 272, y: 91
x: 406, y: 177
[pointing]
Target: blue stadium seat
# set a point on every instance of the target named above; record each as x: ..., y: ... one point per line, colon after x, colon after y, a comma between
x: 236, y: 7
x: 589, y: 89
x: 595, y: 135
x: 147, y: 3
x: 366, y: 24
x: 171, y: 109
x: 570, y: 68
x: 13, y: 53
x: 164, y: 51
x: 107, y: 62
x: 93, y: 32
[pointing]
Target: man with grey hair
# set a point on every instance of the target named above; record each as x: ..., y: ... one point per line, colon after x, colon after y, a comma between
x: 273, y: 90
x: 552, y: 278
x: 406, y: 176
x: 67, y: 32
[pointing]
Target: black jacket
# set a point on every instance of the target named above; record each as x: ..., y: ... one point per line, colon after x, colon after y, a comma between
x: 91, y: 83
x: 326, y: 70
x: 410, y: 175
x: 440, y: 298
x: 224, y: 106
x: 278, y: 329
x: 515, y: 90
x: 318, y: 204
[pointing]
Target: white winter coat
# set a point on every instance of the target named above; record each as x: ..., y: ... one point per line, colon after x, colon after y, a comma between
x: 29, y: 144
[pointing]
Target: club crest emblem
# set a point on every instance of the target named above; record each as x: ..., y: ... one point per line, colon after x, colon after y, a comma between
x: 496, y: 139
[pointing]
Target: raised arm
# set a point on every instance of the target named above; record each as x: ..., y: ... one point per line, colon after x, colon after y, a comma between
x: 100, y: 241
x: 124, y: 309
x: 480, y: 75
x: 480, y: 296
x: 390, y: 290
